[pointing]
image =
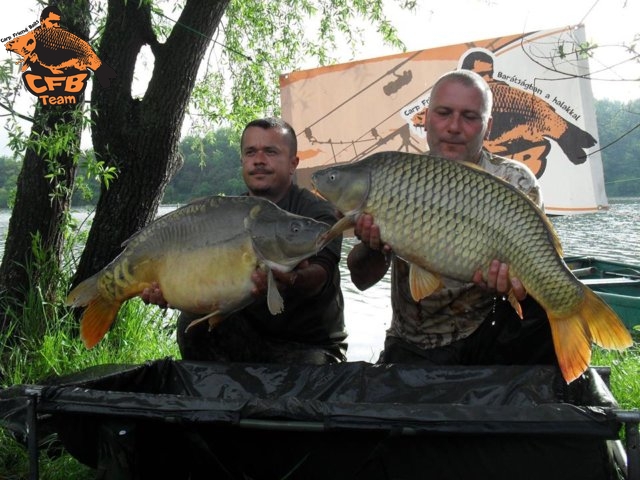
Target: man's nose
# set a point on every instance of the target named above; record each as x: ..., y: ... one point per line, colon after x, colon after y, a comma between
x: 454, y: 123
x: 260, y: 157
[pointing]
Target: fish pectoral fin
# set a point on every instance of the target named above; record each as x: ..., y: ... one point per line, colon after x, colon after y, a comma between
x: 214, y: 319
x: 515, y: 304
x: 274, y: 299
x: 606, y: 328
x: 97, y: 320
x: 423, y: 282
x: 340, y: 226
x: 84, y: 292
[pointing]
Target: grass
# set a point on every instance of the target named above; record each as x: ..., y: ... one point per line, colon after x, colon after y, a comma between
x: 35, y: 349
x: 44, y: 341
x: 625, y: 372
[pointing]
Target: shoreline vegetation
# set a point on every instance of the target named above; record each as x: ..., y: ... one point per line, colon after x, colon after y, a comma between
x: 42, y: 350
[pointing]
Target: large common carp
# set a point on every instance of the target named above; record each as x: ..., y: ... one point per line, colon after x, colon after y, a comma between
x: 453, y: 218
x: 202, y: 256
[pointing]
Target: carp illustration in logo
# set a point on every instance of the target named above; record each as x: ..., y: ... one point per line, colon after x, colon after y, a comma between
x: 57, y: 61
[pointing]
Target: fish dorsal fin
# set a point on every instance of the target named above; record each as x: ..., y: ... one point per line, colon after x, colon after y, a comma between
x: 274, y: 299
x: 423, y: 282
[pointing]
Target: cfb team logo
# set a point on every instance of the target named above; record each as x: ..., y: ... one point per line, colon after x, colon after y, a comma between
x: 57, y: 61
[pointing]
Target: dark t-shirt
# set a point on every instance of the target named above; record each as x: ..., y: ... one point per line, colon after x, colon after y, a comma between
x: 317, y: 320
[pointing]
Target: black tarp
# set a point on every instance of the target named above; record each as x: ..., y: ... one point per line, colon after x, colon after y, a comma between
x: 178, y: 419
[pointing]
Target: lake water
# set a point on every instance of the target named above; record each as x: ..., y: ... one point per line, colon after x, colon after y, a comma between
x: 612, y: 234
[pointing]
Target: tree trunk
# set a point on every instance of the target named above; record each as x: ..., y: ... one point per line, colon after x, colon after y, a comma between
x: 140, y: 137
x: 42, y: 202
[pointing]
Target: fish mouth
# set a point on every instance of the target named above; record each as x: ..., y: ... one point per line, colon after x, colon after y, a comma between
x: 317, y: 193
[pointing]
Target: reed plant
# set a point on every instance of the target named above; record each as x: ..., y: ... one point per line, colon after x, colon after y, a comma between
x: 43, y: 341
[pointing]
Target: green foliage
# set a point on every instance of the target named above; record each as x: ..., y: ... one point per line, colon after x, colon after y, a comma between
x: 43, y: 341
x: 14, y: 461
x: 263, y: 40
x: 212, y: 163
x: 625, y: 372
x: 211, y: 166
x: 581, y: 50
x: 619, y: 135
x: 9, y: 170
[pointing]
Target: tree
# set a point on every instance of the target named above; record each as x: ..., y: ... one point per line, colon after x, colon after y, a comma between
x: 618, y: 128
x: 44, y: 184
x: 138, y: 136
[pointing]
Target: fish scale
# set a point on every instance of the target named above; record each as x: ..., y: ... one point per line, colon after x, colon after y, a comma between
x: 202, y: 256
x: 453, y: 218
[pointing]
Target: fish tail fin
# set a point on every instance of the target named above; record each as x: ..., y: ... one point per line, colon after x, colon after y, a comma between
x: 97, y: 319
x: 572, y: 344
x: 594, y: 321
x: 607, y: 330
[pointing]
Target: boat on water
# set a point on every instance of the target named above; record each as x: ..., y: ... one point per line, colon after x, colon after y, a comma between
x: 617, y: 283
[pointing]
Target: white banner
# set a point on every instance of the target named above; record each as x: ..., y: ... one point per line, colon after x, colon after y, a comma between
x: 543, y: 111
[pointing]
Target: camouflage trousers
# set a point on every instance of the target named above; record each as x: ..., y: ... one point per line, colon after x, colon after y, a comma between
x: 502, y: 339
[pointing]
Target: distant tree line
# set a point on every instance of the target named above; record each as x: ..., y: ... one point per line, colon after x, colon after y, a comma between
x: 619, y: 139
x: 212, y: 164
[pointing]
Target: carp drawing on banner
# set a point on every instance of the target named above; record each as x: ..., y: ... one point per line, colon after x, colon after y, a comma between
x: 543, y: 112
x: 524, y: 124
x: 55, y: 61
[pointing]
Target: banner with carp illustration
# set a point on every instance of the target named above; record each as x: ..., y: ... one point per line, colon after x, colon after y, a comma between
x: 543, y: 113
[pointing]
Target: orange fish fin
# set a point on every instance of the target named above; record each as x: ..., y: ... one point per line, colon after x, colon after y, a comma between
x: 97, y: 320
x: 214, y: 319
x: 593, y: 321
x: 423, y: 282
x: 515, y: 304
x: 607, y: 330
x: 572, y: 343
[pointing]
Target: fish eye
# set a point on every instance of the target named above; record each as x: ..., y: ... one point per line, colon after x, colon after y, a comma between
x: 333, y: 176
x: 295, y: 227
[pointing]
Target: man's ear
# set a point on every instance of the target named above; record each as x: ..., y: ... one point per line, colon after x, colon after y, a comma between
x: 294, y: 164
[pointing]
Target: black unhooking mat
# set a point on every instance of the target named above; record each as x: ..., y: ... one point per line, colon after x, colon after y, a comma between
x: 192, y: 420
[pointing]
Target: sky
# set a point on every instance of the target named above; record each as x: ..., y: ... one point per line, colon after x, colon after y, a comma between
x: 435, y: 24
x: 608, y: 23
